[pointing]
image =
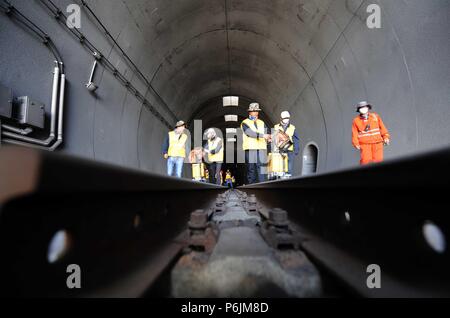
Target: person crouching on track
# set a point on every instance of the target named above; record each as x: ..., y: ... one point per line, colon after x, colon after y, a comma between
x: 369, y: 134
x: 214, y: 151
x: 174, y: 150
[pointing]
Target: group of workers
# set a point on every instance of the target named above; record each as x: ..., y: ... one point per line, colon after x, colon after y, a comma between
x: 175, y: 152
x: 256, y: 138
x: 369, y: 135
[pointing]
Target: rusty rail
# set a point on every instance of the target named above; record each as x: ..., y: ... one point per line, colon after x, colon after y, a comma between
x: 122, y: 227
x: 394, y: 215
x: 125, y: 228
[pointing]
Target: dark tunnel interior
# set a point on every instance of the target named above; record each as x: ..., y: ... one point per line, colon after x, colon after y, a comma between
x: 106, y: 80
x: 314, y: 58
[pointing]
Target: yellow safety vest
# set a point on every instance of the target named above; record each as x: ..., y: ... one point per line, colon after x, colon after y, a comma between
x: 177, y: 145
x: 254, y: 143
x: 290, y: 132
x: 198, y: 171
x: 218, y: 157
x: 278, y: 163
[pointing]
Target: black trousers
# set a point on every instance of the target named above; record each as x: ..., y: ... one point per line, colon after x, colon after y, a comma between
x: 214, y: 169
x: 256, y: 161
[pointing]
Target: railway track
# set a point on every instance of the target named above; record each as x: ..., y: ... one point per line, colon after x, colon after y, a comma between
x: 142, y: 235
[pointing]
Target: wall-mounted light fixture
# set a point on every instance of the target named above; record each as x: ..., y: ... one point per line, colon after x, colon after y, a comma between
x: 90, y: 85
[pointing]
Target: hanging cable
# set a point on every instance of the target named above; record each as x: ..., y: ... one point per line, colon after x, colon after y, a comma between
x: 136, y: 69
x: 10, y: 10
x: 59, y: 15
x: 55, y: 138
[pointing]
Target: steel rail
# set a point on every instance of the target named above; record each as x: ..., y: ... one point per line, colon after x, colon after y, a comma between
x: 124, y: 226
x: 374, y: 215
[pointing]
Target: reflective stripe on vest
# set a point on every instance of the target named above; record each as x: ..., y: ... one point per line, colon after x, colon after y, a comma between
x: 372, y: 135
x: 212, y: 145
x: 290, y: 132
x: 254, y: 143
x: 177, y: 145
x: 371, y: 132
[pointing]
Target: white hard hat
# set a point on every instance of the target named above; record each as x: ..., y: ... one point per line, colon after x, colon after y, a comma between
x: 254, y: 107
x: 180, y: 123
x: 211, y: 132
x: 285, y: 115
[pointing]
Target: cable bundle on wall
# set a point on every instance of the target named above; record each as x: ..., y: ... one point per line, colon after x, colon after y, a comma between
x: 58, y: 14
x: 19, y: 136
x: 125, y: 55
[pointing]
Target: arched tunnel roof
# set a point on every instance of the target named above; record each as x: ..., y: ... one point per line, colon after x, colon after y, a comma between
x: 133, y: 68
x: 259, y: 49
x: 315, y: 58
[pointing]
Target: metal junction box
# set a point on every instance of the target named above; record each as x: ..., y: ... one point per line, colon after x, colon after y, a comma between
x: 6, y: 99
x: 30, y: 112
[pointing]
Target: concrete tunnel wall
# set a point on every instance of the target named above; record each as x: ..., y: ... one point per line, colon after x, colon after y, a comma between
x: 316, y: 58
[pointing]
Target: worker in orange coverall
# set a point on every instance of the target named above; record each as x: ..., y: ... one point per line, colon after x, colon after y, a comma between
x: 369, y: 134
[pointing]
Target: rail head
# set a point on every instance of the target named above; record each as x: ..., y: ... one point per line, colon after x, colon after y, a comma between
x: 28, y: 171
x: 425, y: 170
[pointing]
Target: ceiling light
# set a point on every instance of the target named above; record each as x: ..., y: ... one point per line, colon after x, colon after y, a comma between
x: 229, y: 118
x: 230, y: 101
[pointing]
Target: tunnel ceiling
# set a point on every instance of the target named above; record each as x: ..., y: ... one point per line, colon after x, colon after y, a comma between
x: 315, y: 58
x: 263, y: 50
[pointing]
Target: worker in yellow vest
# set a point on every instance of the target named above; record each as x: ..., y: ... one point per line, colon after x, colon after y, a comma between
x: 174, y: 150
x: 214, y: 154
x: 293, y: 148
x: 255, y: 138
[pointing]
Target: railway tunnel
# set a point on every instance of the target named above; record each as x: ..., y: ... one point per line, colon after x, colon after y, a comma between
x: 104, y: 197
